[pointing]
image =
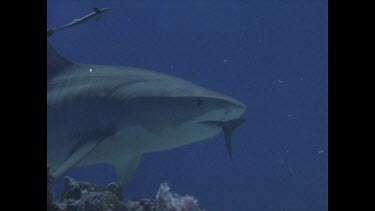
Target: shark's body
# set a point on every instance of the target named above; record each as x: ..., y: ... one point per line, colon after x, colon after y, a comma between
x: 106, y: 114
x: 95, y: 15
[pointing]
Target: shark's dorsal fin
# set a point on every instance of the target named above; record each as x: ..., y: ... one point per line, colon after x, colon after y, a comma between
x: 55, y: 62
x: 97, y: 10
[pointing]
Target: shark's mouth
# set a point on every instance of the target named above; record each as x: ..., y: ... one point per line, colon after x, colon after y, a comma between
x: 228, y: 128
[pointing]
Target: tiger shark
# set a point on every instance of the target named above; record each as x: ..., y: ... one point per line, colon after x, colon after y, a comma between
x: 113, y: 115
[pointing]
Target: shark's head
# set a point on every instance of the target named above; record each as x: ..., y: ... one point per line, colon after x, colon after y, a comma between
x: 174, y: 111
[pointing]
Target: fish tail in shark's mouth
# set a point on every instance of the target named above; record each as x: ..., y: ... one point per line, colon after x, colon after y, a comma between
x: 228, y: 128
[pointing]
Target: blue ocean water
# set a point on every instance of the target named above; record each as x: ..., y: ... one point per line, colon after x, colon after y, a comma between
x: 269, y: 54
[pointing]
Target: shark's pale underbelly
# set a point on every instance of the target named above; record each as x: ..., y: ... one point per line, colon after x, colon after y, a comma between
x: 137, y: 141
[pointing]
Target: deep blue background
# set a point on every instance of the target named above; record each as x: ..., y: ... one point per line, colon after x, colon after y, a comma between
x: 270, y: 54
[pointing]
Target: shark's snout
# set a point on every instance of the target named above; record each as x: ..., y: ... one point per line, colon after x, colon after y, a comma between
x: 235, y: 109
x: 227, y: 109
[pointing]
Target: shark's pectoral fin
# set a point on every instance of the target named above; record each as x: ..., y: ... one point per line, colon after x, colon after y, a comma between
x: 86, y: 142
x: 126, y: 168
x: 76, y: 156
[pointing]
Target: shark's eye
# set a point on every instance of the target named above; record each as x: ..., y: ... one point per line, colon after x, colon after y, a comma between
x: 199, y: 103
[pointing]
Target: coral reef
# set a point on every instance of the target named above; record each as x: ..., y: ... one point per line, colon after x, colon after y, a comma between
x: 165, y: 200
x: 84, y: 196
